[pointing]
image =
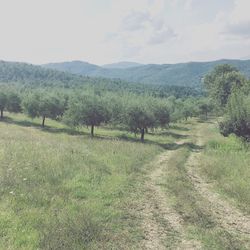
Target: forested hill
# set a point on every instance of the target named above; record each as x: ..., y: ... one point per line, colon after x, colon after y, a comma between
x: 24, y: 73
x: 30, y: 75
x: 27, y: 73
x: 121, y: 65
x: 182, y: 74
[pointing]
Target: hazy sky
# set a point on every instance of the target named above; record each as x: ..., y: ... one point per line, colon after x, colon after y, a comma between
x: 105, y: 31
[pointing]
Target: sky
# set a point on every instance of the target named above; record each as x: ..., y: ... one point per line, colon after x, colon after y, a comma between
x: 107, y: 31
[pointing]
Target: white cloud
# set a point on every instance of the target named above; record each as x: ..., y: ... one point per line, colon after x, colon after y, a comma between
x: 162, y: 36
x: 238, y: 23
x: 135, y: 20
x: 148, y: 31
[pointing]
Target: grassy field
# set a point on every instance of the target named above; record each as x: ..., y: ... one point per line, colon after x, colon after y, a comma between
x: 60, y: 189
x: 226, y: 162
x: 198, y: 221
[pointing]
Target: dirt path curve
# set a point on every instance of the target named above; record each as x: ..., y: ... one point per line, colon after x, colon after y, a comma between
x: 169, y: 222
x: 228, y: 216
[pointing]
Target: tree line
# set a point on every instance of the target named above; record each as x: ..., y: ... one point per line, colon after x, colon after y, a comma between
x: 136, y: 113
x: 29, y: 76
x: 230, y: 91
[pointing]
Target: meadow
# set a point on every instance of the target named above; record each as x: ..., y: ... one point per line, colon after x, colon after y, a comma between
x: 222, y: 165
x: 62, y: 189
x: 226, y: 162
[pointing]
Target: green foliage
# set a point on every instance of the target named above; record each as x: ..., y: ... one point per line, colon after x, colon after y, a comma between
x: 184, y: 109
x: 161, y: 113
x: 9, y: 101
x: 229, y: 89
x: 3, y: 102
x: 35, y: 75
x: 181, y: 74
x: 44, y: 105
x: 221, y: 82
x: 205, y: 106
x: 89, y: 109
x: 27, y: 77
x: 237, y: 120
x: 139, y: 118
x: 145, y: 112
x: 189, y: 108
x: 13, y: 102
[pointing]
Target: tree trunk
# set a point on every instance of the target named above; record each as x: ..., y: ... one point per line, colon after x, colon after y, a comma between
x: 92, y: 130
x: 142, y: 134
x: 43, y: 123
x: 1, y: 113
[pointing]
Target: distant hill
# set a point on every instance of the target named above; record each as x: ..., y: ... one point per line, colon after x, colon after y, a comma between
x: 36, y: 75
x: 122, y: 65
x: 246, y: 58
x: 32, y: 76
x: 74, y: 67
x: 181, y: 74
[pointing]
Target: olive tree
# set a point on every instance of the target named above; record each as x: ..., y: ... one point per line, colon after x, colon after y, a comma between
x: 44, y: 105
x: 9, y: 101
x: 221, y: 82
x: 139, y: 118
x: 13, y: 102
x: 89, y: 109
x: 237, y: 118
x: 205, y: 106
x: 3, y: 103
x: 161, y: 114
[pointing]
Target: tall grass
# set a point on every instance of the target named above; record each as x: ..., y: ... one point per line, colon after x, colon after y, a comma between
x: 61, y: 190
x: 226, y: 161
x: 197, y: 219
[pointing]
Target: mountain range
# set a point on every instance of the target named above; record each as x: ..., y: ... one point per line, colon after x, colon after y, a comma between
x: 77, y: 73
x: 27, y: 76
x: 122, y: 65
x: 181, y: 74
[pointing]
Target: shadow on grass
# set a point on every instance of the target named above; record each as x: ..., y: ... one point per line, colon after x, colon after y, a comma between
x: 172, y: 134
x: 180, y: 128
x: 167, y: 146
x: 205, y: 121
x: 24, y: 123
x: 124, y: 137
x: 174, y: 146
x: 20, y: 123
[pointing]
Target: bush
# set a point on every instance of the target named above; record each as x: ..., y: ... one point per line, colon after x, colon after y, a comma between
x: 237, y: 120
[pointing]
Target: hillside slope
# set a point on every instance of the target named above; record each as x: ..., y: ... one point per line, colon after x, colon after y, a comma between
x: 181, y: 74
x: 36, y: 76
x: 74, y: 67
x: 122, y: 65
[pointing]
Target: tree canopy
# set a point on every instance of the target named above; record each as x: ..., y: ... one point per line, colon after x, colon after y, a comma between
x: 9, y: 101
x: 44, y: 105
x: 221, y: 81
x: 230, y: 90
x: 89, y: 109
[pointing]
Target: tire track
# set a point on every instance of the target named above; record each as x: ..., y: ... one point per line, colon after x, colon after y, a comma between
x: 229, y: 217
x: 157, y: 204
